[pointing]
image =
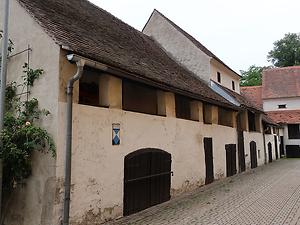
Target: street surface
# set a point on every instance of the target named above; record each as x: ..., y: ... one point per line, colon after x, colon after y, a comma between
x: 269, y: 194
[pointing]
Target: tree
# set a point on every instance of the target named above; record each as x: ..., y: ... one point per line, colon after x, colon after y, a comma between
x: 252, y: 76
x: 286, y: 51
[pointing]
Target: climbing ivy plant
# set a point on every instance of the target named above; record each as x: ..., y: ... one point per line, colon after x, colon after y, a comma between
x: 22, y: 134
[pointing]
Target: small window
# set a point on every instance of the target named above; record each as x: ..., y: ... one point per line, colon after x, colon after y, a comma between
x: 219, y: 77
x: 293, y: 131
x: 233, y: 85
x: 283, y: 106
x: 183, y: 107
x: 138, y: 97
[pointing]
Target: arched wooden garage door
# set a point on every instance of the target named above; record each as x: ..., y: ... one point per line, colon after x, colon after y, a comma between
x: 147, y: 179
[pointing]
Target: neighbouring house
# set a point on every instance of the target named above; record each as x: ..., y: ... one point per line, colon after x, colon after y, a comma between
x: 145, y: 127
x: 194, y: 56
x: 189, y: 52
x: 279, y: 96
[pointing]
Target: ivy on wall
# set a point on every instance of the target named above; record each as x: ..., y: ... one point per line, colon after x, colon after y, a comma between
x: 22, y: 134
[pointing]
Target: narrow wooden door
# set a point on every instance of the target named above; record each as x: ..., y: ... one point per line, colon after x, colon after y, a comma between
x: 281, y: 147
x: 230, y: 159
x: 241, y: 151
x: 270, y: 152
x: 276, y: 147
x: 147, y: 179
x: 253, y: 154
x: 209, y: 163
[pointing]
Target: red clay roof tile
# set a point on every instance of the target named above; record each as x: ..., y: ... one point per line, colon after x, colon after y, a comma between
x: 253, y: 94
x: 285, y: 116
x: 281, y: 82
x: 92, y: 32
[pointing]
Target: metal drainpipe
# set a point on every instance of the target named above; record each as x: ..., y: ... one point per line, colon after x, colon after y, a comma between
x: 68, y: 158
x: 3, y: 75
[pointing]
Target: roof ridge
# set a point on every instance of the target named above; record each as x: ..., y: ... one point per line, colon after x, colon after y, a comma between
x: 92, y: 32
x: 283, y: 68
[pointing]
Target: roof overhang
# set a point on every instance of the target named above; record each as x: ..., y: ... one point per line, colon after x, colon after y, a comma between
x: 73, y: 57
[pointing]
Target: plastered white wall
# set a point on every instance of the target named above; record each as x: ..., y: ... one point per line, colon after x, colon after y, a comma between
x: 32, y: 204
x: 270, y: 138
x: 227, y: 76
x: 178, y: 46
x: 97, y: 175
x: 272, y: 104
x: 258, y: 138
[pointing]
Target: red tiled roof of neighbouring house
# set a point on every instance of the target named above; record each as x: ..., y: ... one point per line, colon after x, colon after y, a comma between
x: 253, y: 94
x: 281, y: 82
x: 92, y: 32
x: 285, y: 116
x: 195, y: 42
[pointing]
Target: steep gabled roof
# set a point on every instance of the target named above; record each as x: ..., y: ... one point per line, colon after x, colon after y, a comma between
x: 193, y: 40
x: 281, y: 82
x: 253, y: 94
x: 90, y: 31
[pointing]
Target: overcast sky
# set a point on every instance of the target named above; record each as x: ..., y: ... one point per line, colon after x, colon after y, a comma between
x: 240, y: 32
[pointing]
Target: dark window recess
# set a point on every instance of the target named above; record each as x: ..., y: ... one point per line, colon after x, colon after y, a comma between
x: 138, y: 97
x: 89, y: 88
x: 233, y: 85
x: 219, y: 77
x: 267, y: 128
x: 292, y: 151
x: 283, y: 106
x: 207, y: 113
x: 251, y: 121
x: 294, y: 131
x: 183, y: 107
x: 225, y: 117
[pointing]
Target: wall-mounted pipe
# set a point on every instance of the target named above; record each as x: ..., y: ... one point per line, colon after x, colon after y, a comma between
x: 3, y: 74
x: 68, y: 158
